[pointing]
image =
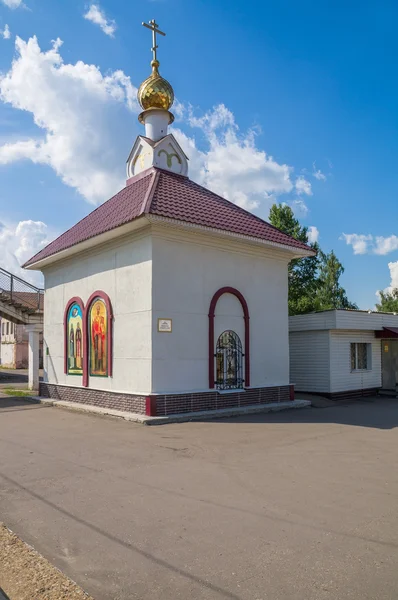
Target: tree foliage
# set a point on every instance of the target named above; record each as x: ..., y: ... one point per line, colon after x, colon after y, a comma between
x: 388, y: 301
x: 330, y: 294
x: 314, y: 280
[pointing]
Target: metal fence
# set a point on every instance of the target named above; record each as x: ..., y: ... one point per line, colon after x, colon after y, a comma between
x: 19, y: 293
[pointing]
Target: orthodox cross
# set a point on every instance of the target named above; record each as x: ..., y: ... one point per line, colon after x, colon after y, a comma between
x: 153, y: 26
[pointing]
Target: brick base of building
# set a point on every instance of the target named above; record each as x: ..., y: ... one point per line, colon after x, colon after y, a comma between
x: 168, y: 404
x: 104, y: 399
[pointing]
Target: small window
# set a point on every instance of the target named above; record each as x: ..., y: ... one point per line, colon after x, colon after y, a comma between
x: 8, y: 327
x: 2, y: 328
x: 360, y: 357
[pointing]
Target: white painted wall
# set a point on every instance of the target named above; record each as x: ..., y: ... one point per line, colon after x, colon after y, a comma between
x: 123, y: 270
x: 342, y: 379
x: 187, y: 270
x: 310, y: 360
x: 7, y: 354
x: 167, y: 273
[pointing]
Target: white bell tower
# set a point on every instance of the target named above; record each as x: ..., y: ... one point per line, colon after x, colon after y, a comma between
x: 157, y: 148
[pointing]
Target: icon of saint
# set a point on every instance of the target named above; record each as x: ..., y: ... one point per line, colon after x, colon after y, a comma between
x: 98, y: 341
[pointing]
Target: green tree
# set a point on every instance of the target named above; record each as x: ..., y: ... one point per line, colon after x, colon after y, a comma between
x: 314, y: 280
x: 303, y: 280
x: 388, y: 301
x: 330, y: 294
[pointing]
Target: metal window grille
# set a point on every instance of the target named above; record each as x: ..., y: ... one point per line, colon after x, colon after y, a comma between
x: 229, y: 361
x: 359, y: 357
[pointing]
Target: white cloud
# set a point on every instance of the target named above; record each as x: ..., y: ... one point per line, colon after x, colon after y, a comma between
x: 13, y: 3
x: 368, y: 244
x: 84, y: 118
x: 79, y: 110
x: 299, y: 208
x: 313, y: 234
x: 317, y: 173
x: 359, y: 242
x: 97, y: 16
x: 303, y: 186
x: 393, y: 266
x: 232, y: 165
x: 385, y: 245
x: 5, y: 33
x: 19, y: 243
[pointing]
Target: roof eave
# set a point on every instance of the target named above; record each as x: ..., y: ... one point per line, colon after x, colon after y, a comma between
x: 293, y: 251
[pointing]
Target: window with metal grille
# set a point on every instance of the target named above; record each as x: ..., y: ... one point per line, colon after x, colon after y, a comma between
x: 360, y: 357
x: 229, y: 361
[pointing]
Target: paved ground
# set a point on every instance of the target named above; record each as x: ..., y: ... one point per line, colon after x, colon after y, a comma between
x: 297, y: 505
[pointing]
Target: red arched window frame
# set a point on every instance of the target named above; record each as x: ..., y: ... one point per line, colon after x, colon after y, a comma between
x: 80, y: 303
x: 213, y: 304
x: 105, y: 298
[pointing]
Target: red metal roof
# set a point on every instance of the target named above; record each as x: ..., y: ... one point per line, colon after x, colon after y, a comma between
x: 166, y: 194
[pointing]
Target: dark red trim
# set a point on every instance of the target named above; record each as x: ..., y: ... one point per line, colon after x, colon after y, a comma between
x: 291, y: 388
x: 79, y: 302
x: 387, y: 332
x: 105, y: 298
x: 213, y: 304
x: 150, y: 406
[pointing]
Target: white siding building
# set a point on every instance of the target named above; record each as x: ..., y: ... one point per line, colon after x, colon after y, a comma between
x: 343, y: 352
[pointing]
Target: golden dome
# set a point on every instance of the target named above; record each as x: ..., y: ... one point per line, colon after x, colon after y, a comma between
x: 155, y: 92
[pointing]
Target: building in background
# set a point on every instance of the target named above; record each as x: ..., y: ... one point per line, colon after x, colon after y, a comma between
x: 341, y: 353
x: 14, y: 345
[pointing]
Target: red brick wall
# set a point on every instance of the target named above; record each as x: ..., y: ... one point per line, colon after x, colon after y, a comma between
x: 169, y: 403
x: 180, y: 403
x: 125, y: 402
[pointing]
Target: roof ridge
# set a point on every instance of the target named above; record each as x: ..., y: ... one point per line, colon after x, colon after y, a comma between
x: 146, y: 204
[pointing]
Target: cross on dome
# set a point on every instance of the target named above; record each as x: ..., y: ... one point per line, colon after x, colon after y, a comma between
x: 153, y: 26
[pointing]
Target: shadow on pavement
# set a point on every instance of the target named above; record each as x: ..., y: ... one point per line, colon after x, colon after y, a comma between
x: 18, y: 403
x: 380, y: 413
x: 11, y: 377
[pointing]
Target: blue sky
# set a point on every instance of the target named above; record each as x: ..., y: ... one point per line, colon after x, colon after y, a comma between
x: 291, y: 101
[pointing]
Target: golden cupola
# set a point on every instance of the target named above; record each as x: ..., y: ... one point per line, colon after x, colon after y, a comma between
x: 155, y: 92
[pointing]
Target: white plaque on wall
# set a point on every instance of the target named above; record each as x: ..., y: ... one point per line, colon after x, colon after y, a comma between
x: 165, y: 325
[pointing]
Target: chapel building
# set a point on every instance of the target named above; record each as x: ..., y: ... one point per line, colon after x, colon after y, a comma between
x: 167, y: 298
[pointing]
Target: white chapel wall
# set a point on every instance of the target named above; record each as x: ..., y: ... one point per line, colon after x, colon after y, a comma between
x: 187, y: 271
x: 122, y: 270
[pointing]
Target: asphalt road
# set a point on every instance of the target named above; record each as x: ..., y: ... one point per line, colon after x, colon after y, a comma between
x: 298, y: 505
